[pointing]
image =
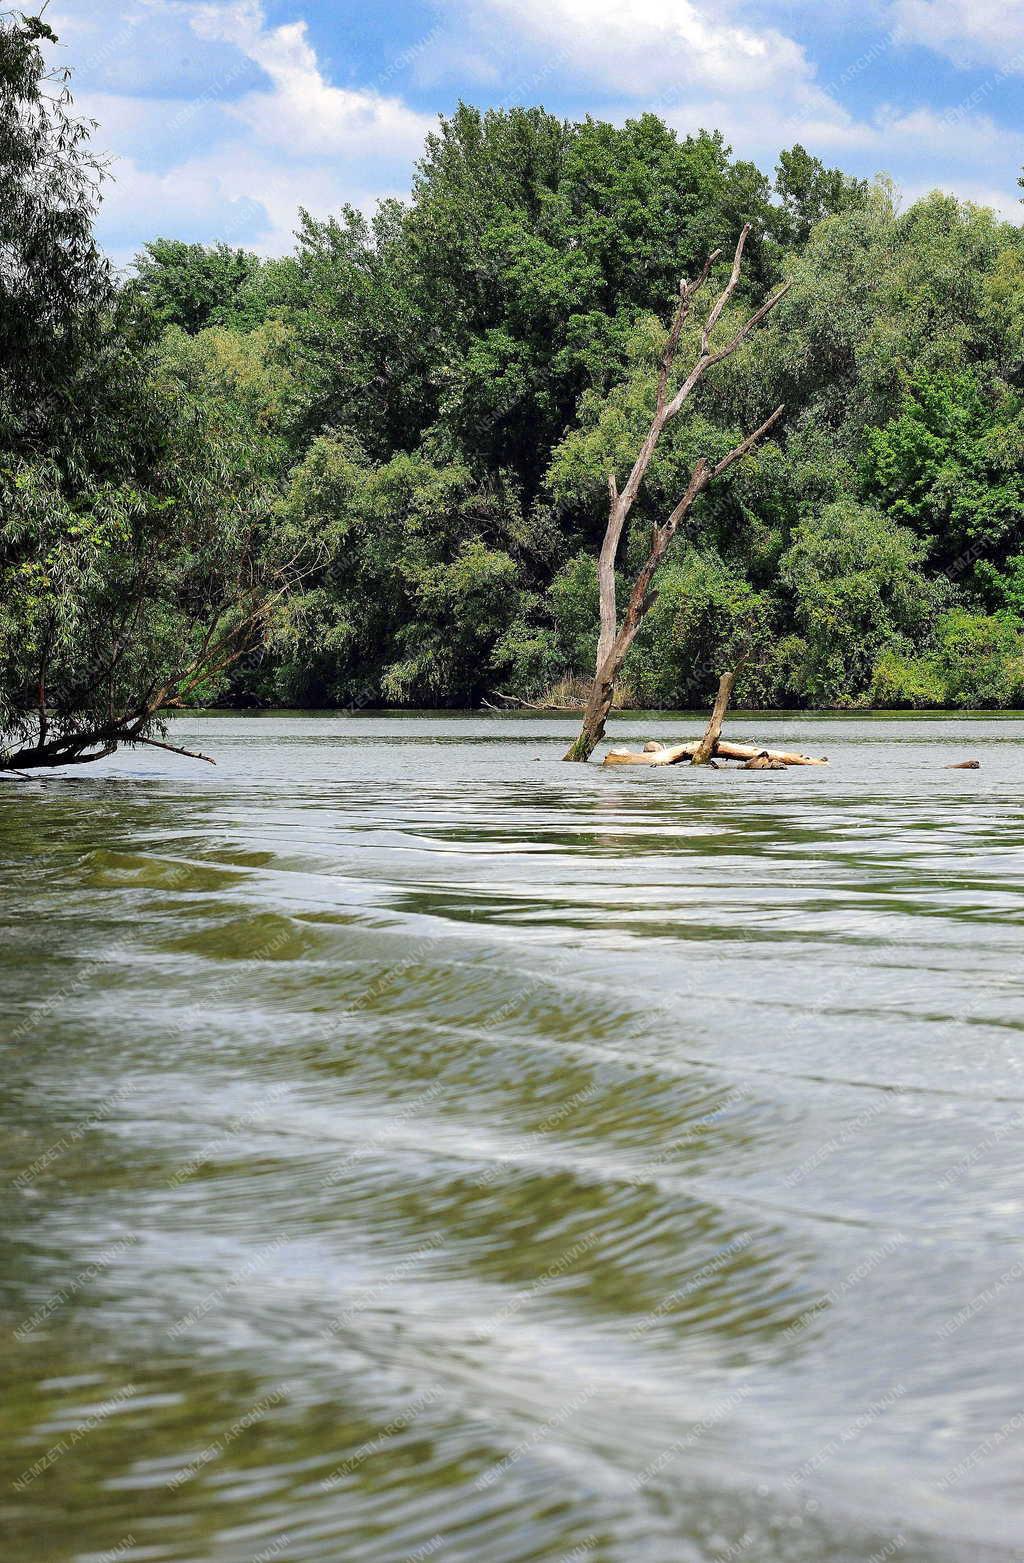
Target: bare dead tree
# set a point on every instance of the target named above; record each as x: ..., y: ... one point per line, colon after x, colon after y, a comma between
x: 615, y: 639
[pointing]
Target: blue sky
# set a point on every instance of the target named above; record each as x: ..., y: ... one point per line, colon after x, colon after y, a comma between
x: 223, y: 116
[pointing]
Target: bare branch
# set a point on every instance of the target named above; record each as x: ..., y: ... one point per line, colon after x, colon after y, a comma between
x: 606, y: 575
x: 709, y: 743
x: 751, y: 325
x: 191, y: 754
x: 748, y: 444
x: 699, y: 480
x: 726, y: 293
x: 706, y: 362
x: 687, y: 290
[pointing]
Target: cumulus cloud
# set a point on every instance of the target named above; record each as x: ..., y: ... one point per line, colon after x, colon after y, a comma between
x: 143, y: 48
x: 225, y: 123
x: 698, y: 63
x: 300, y: 110
x: 725, y: 66
x: 968, y: 32
x: 235, y: 130
x: 654, y: 46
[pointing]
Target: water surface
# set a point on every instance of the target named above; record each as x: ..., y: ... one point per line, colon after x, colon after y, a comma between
x: 415, y: 1147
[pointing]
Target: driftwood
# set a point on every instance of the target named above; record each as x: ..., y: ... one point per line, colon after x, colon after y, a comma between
x: 678, y: 754
x: 520, y: 703
x: 709, y: 743
x: 729, y: 751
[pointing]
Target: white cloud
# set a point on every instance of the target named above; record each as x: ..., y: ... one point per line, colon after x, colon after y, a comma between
x: 190, y: 201
x: 921, y: 149
x: 704, y: 63
x: 649, y: 47
x: 225, y: 124
x: 959, y: 140
x: 230, y: 194
x: 695, y: 62
x: 968, y: 32
x: 652, y: 46
x: 143, y: 47
x: 979, y: 192
x: 235, y: 130
x: 301, y: 111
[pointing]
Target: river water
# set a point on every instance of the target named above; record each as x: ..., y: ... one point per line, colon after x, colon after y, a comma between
x: 414, y: 1147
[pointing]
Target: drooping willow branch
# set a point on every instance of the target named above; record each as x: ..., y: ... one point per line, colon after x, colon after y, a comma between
x: 221, y: 646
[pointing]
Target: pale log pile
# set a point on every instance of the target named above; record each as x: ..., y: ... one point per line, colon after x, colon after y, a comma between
x: 710, y: 748
x: 753, y: 759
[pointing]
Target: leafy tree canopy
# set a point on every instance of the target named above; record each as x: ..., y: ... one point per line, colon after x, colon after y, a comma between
x: 417, y: 412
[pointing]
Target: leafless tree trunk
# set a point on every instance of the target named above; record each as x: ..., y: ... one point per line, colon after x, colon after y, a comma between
x: 615, y: 639
x: 709, y: 743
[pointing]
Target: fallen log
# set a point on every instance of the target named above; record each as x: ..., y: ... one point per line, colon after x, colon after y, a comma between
x: 678, y: 753
x: 675, y: 753
x: 763, y: 762
x: 660, y: 756
x: 730, y: 751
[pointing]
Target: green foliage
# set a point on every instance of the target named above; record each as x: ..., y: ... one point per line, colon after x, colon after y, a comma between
x: 976, y: 661
x: 1002, y: 588
x: 195, y: 285
x: 55, y: 287
x: 982, y: 659
x: 136, y: 485
x: 512, y: 284
x: 462, y: 609
x: 504, y: 331
x: 706, y: 616
x: 907, y: 683
x: 951, y: 464
x: 419, y: 410
x: 367, y: 361
x: 573, y: 603
x: 878, y: 298
x: 809, y: 192
x: 857, y: 587
x: 408, y: 603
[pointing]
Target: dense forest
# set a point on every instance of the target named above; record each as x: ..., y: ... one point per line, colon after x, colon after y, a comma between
x: 379, y: 465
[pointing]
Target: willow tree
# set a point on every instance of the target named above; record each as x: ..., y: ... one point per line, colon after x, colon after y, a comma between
x: 617, y: 637
x: 135, y: 562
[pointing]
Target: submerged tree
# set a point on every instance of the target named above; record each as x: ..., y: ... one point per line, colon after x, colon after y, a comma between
x: 615, y: 639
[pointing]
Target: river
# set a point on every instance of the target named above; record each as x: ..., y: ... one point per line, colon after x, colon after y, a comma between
x: 414, y: 1147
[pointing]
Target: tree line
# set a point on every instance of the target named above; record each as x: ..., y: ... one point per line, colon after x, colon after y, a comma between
x: 376, y: 471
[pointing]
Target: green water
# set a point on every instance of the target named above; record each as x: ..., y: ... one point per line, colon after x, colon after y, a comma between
x: 415, y: 1147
